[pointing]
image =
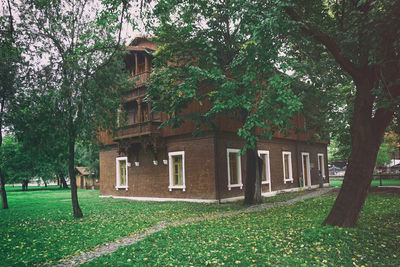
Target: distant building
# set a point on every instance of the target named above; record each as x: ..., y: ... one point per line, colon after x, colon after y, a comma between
x: 84, y: 181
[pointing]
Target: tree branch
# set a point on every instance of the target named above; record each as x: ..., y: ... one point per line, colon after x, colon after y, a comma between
x: 328, y: 42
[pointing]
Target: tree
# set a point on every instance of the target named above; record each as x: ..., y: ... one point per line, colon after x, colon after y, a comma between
x: 10, y: 60
x: 83, y: 77
x: 17, y: 165
x: 209, y: 55
x: 363, y: 39
x: 38, y: 130
x: 88, y: 156
x: 383, y: 156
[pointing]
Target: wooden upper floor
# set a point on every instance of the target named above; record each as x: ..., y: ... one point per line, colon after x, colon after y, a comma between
x: 136, y: 118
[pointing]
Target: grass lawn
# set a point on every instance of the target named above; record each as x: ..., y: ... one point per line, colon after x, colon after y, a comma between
x: 39, y: 226
x: 285, y: 236
x: 373, y: 183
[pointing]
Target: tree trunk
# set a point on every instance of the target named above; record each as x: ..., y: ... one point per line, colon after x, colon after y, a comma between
x: 25, y: 185
x: 4, y: 203
x: 71, y: 168
x: 62, y: 182
x: 259, y: 172
x: 45, y: 184
x: 251, y: 162
x: 367, y: 134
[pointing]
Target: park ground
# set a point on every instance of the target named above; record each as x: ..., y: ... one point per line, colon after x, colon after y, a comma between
x: 39, y: 229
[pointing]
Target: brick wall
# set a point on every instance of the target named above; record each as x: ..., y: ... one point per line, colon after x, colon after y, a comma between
x: 206, y: 171
x: 149, y: 180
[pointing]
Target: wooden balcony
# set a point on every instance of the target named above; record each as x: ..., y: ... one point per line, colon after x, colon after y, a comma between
x: 138, y: 129
x: 141, y: 78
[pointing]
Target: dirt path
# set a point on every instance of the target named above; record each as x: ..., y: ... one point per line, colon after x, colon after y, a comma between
x: 109, y: 248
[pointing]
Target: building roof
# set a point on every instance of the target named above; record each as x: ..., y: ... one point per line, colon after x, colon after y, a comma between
x: 83, y: 170
x: 141, y: 43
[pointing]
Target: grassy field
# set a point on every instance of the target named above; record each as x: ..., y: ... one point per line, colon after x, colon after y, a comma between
x: 284, y: 236
x: 373, y: 183
x: 39, y: 228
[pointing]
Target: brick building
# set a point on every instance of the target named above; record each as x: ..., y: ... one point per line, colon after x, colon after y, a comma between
x: 142, y: 161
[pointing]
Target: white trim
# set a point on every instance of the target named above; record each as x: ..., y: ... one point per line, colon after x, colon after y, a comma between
x: 231, y: 199
x: 117, y: 176
x: 267, y: 172
x: 215, y: 201
x: 171, y: 182
x: 239, y: 166
x: 308, y: 168
x: 273, y: 193
x: 322, y: 168
x: 290, y: 167
x: 164, y: 199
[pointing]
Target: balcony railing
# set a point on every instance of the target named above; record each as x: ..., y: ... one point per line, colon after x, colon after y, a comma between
x: 138, y: 129
x: 141, y: 78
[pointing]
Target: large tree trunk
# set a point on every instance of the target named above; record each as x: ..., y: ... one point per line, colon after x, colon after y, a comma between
x: 367, y: 134
x: 4, y: 203
x: 71, y: 168
x: 251, y: 159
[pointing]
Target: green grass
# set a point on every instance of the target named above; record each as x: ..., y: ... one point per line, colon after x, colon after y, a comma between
x: 284, y: 236
x: 39, y: 226
x: 373, y: 183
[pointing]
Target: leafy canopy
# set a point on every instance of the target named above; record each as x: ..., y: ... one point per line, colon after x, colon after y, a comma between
x: 224, y: 57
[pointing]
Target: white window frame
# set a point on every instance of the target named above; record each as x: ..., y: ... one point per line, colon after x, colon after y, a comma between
x: 171, y: 181
x: 308, y: 166
x: 239, y: 184
x: 290, y: 167
x: 268, y: 171
x: 322, y: 168
x: 117, y: 176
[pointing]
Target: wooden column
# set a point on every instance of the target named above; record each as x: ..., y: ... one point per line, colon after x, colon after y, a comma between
x: 146, y: 63
x: 136, y: 64
x: 148, y: 112
x: 139, y: 101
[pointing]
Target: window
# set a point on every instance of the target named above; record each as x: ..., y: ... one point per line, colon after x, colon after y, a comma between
x: 176, y: 170
x: 122, y: 172
x: 287, y: 167
x: 234, y: 168
x: 321, y: 164
x: 266, y: 175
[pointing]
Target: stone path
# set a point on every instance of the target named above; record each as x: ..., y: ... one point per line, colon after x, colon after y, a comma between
x: 109, y: 248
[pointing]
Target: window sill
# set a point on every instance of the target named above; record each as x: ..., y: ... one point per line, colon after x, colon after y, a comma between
x: 265, y: 182
x: 183, y: 187
x: 235, y: 185
x: 289, y: 180
x: 121, y: 188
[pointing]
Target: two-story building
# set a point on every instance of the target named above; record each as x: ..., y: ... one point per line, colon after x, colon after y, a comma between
x: 142, y: 161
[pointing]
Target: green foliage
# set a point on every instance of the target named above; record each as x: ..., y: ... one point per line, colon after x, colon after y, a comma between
x: 88, y: 156
x: 40, y: 228
x: 288, y: 236
x: 223, y: 57
x: 384, y: 154
x: 15, y: 164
